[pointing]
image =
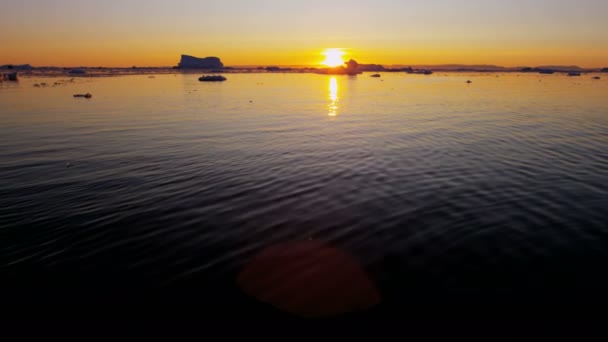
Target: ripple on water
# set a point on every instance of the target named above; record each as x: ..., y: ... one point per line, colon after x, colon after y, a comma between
x: 446, y: 181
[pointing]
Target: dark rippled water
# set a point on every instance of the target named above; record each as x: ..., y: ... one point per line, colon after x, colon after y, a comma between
x: 463, y: 190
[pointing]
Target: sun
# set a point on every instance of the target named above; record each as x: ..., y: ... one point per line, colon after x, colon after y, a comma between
x: 333, y: 57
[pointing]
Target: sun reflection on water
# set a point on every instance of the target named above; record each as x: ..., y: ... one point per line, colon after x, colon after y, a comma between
x: 333, y: 96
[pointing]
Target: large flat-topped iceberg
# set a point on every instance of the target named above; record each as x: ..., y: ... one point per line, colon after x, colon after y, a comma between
x: 191, y: 62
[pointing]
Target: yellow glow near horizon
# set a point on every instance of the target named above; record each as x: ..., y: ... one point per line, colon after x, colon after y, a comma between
x: 333, y: 57
x: 73, y: 33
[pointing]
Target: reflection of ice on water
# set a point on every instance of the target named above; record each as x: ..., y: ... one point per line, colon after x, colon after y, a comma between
x: 333, y: 97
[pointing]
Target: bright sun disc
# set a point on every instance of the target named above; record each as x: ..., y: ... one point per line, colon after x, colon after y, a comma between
x: 333, y: 57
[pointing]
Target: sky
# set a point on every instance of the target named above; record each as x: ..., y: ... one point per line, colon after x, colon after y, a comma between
x: 285, y: 32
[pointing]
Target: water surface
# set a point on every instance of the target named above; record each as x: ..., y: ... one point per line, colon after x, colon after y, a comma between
x: 426, y: 180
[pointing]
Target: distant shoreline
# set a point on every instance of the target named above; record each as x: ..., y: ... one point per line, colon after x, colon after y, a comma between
x: 110, y: 72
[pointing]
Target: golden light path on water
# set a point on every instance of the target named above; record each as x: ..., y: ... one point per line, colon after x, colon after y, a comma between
x: 333, y: 96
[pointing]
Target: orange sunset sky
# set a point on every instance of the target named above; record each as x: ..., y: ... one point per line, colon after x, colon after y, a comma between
x: 269, y: 32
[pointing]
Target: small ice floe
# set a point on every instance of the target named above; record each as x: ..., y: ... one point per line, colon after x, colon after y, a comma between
x: 469, y: 81
x: 212, y: 78
x: 87, y: 95
x: 376, y: 75
x: 68, y: 165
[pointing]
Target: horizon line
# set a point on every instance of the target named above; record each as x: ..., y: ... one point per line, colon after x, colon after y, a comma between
x: 315, y: 66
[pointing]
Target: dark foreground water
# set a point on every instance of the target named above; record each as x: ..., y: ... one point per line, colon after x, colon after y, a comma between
x: 163, y: 189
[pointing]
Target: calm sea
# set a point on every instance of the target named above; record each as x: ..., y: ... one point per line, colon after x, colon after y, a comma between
x: 441, y: 190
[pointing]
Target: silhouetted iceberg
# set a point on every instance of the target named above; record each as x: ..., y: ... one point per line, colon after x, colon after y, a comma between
x: 352, y: 67
x: 191, y: 62
x: 605, y: 70
x: 77, y: 72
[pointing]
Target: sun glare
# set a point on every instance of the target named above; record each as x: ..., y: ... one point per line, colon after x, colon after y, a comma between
x: 333, y: 57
